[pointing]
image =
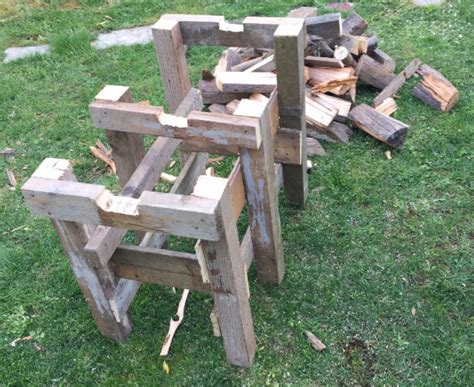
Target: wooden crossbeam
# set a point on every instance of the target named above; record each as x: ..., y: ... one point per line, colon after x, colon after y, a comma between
x: 214, y: 128
x: 181, y: 215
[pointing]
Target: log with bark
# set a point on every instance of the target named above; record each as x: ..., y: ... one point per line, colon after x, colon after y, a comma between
x: 344, y: 55
x: 383, y: 58
x: 371, y: 72
x: 354, y: 24
x: 378, y: 125
x: 435, y: 90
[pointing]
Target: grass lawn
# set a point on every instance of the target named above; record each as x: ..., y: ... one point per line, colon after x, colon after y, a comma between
x: 379, y: 264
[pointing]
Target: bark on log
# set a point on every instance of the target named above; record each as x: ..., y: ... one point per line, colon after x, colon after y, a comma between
x: 326, y: 26
x: 382, y: 58
x: 373, y: 73
x: 354, y: 25
x: 378, y: 125
x: 343, y: 54
x: 435, y: 90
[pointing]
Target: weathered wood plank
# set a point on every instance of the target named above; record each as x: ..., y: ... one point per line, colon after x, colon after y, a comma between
x: 228, y: 281
x: 289, y: 55
x: 246, y: 82
x: 211, y: 94
x: 397, y: 82
x: 179, y: 215
x: 164, y: 267
x: 319, y: 61
x: 259, y: 177
x: 326, y: 26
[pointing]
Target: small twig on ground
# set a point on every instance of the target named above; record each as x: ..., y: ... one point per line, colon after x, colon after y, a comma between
x: 167, y: 177
x: 11, y: 179
x: 174, y: 324
x: 317, y: 344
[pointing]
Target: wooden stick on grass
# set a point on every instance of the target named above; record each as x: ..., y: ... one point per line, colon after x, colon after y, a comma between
x: 174, y: 324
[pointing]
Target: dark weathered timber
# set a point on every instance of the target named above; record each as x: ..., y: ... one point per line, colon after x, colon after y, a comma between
x: 435, y: 90
x: 211, y: 94
x: 372, y: 43
x: 397, y: 82
x: 383, y: 58
x: 326, y: 26
x: 378, y: 125
x: 325, y: 50
x: 373, y: 73
x: 354, y: 24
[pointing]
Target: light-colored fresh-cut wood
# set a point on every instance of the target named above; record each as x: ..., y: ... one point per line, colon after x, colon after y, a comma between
x: 289, y: 54
x: 218, y: 108
x: 259, y: 97
x: 319, y: 61
x: 373, y: 73
x: 378, y: 125
x: 158, y: 266
x: 397, y: 82
x: 180, y: 215
x: 259, y: 177
x: 357, y: 45
x: 229, y: 59
x: 334, y: 80
x: 247, y: 64
x: 232, y: 105
x: 343, y: 106
x: 319, y: 113
x: 245, y: 82
x: 354, y: 24
x: 231, y: 299
x: 387, y: 107
x: 435, y: 90
x: 146, y: 119
x: 248, y: 107
x: 216, y: 330
x: 174, y: 324
x: 326, y: 26
x: 344, y: 55
x: 127, y: 148
x: 265, y: 65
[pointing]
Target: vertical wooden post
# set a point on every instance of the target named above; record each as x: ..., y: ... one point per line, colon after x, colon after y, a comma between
x: 231, y: 299
x: 264, y: 218
x: 127, y: 148
x: 173, y: 67
x: 289, y: 43
x: 97, y: 284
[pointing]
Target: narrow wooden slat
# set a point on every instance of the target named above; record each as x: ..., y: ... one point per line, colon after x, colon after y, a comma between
x: 246, y: 82
x: 289, y: 54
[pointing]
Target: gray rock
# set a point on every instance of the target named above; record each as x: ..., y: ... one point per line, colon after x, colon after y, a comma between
x: 15, y: 53
x: 127, y: 37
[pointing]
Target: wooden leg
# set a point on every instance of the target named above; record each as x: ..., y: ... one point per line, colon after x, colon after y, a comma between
x: 96, y: 285
x: 231, y: 298
x: 289, y: 57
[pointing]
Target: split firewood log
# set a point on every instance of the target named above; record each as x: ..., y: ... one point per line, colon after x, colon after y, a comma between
x: 354, y: 24
x: 387, y: 107
x: 382, y: 58
x: 335, y: 80
x: 371, y: 72
x: 378, y: 125
x: 435, y: 90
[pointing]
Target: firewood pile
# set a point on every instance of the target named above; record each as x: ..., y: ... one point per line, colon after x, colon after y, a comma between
x: 339, y: 56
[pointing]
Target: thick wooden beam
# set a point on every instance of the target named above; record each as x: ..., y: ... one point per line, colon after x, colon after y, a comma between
x: 180, y: 215
x: 104, y: 240
x: 228, y: 279
x: 289, y: 56
x: 326, y: 26
x: 354, y: 24
x: 259, y: 177
x: 127, y: 148
x: 95, y: 284
x: 213, y: 128
x: 164, y: 267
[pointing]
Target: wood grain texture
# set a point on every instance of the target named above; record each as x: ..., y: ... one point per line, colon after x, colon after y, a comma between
x: 371, y: 72
x: 397, y: 82
x: 259, y: 178
x: 171, y: 57
x: 211, y: 94
x: 319, y: 61
x: 289, y: 55
x: 127, y: 148
x: 231, y: 299
x: 435, y: 90
x: 246, y: 82
x: 383, y: 58
x: 378, y: 125
x: 354, y: 24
